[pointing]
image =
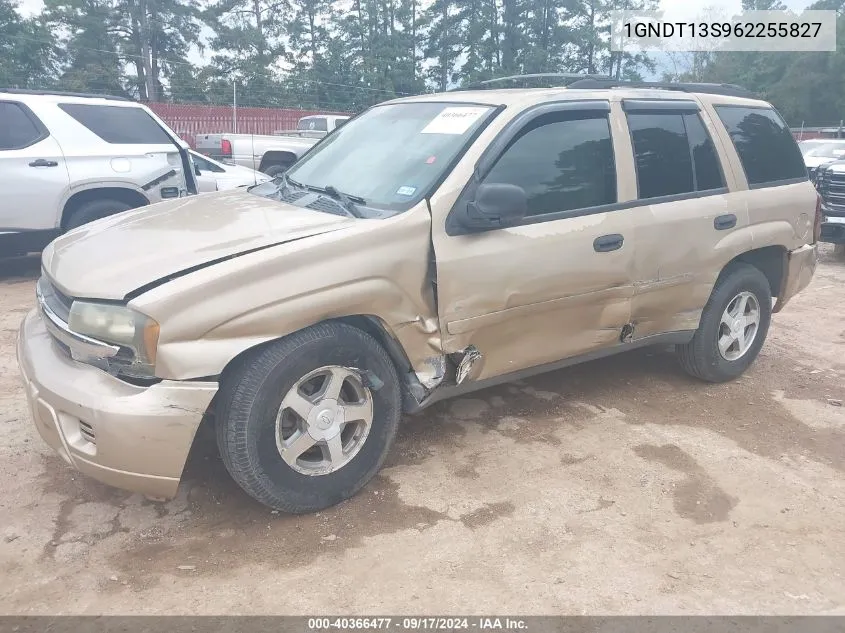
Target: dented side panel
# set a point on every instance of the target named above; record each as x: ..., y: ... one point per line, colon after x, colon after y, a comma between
x: 532, y: 294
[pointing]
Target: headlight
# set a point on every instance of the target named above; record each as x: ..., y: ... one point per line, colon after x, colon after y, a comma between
x: 121, y: 326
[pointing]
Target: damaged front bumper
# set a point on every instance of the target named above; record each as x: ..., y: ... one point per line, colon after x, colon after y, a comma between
x: 130, y: 437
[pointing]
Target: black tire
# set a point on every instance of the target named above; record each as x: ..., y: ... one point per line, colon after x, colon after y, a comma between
x: 95, y: 210
x: 701, y: 357
x: 276, y: 170
x: 250, y: 397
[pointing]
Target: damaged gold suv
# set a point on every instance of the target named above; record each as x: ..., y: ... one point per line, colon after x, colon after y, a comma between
x: 431, y: 246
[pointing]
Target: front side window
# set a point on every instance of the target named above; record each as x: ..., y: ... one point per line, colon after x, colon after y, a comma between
x: 118, y: 124
x: 673, y: 153
x: 204, y: 164
x: 767, y: 150
x: 17, y: 129
x: 392, y: 155
x: 563, y: 161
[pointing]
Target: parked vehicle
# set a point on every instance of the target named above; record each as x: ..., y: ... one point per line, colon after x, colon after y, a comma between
x: 490, y: 236
x: 214, y: 176
x: 271, y: 154
x: 818, y: 152
x: 67, y: 159
x: 316, y: 126
x: 830, y: 181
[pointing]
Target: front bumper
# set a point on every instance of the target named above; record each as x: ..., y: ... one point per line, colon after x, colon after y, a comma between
x: 130, y: 437
x: 833, y: 230
x: 800, y: 267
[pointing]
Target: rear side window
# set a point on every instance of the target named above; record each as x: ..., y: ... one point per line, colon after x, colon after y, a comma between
x: 118, y: 125
x: 318, y: 124
x: 564, y: 162
x: 19, y: 129
x: 767, y: 150
x: 674, y: 154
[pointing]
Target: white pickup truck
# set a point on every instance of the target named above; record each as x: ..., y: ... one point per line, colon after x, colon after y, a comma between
x: 271, y: 154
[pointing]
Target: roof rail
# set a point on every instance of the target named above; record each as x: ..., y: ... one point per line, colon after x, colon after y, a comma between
x: 492, y: 83
x: 86, y: 95
x: 728, y: 90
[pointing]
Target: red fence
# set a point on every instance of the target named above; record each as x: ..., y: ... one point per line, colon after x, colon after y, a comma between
x: 189, y: 120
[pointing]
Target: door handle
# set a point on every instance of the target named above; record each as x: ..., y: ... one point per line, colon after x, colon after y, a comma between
x: 724, y: 222
x: 43, y: 163
x: 607, y: 243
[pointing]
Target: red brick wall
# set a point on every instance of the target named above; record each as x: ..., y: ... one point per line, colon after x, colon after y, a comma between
x: 188, y: 120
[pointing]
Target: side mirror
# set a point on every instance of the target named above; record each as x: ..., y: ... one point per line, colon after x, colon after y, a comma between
x: 496, y: 205
x: 197, y: 171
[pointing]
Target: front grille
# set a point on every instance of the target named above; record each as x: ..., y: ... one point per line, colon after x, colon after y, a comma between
x: 58, y: 302
x: 832, y: 188
x: 87, y: 432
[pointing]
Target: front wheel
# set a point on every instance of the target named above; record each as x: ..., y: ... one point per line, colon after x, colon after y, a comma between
x: 307, y: 421
x: 733, y: 326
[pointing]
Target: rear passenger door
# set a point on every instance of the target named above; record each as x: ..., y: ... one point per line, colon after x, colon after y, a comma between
x: 688, y: 224
x: 780, y: 199
x: 33, y: 174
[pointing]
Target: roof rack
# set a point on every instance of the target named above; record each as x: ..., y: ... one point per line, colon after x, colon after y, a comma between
x: 85, y: 95
x: 493, y: 83
x: 728, y: 90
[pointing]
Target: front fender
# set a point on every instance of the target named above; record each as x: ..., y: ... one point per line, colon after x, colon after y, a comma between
x: 375, y: 268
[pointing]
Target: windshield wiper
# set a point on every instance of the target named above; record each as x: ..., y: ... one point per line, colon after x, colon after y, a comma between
x: 349, y: 201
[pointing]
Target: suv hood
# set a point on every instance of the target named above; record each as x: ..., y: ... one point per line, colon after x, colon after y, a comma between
x: 110, y: 258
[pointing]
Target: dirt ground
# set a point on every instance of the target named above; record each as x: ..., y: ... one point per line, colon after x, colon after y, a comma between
x: 618, y: 486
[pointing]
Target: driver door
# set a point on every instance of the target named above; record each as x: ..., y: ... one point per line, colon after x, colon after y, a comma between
x: 559, y: 283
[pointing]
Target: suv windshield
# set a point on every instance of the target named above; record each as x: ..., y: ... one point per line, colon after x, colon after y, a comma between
x: 391, y: 155
x: 826, y: 150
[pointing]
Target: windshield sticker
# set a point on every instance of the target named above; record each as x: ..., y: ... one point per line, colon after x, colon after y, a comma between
x: 406, y: 191
x: 455, y: 120
x: 430, y: 160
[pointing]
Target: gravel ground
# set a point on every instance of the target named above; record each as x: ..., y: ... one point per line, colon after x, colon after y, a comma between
x: 618, y: 486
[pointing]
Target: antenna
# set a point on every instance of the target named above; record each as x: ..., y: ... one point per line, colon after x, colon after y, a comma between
x: 252, y: 151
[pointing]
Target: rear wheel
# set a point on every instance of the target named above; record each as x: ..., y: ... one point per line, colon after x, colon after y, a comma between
x: 733, y: 326
x: 301, y: 425
x: 95, y: 210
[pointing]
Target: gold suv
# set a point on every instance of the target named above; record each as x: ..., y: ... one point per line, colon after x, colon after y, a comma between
x: 431, y: 246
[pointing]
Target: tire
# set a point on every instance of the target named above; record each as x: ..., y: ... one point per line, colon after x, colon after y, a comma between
x: 95, y: 210
x: 702, y: 357
x: 276, y: 170
x: 251, y: 397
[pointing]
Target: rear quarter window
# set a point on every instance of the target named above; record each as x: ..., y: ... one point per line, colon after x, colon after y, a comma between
x: 118, y: 125
x: 319, y: 124
x: 19, y: 127
x: 767, y: 150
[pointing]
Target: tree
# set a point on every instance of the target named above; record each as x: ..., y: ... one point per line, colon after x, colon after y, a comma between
x: 86, y: 30
x: 248, y: 41
x: 154, y: 36
x: 27, y: 55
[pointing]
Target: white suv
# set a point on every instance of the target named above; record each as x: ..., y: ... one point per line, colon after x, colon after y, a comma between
x: 68, y: 159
